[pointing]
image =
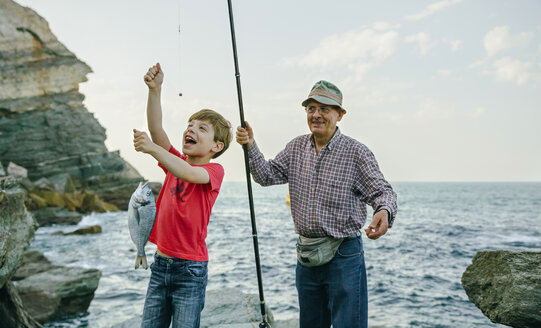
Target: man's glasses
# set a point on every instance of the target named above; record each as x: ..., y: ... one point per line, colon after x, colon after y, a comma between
x: 322, y: 109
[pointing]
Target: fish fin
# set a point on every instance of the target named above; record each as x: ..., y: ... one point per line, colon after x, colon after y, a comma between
x: 144, y: 262
x: 137, y: 216
x: 141, y: 261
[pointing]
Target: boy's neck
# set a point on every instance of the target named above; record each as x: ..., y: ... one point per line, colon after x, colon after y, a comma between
x: 198, y: 160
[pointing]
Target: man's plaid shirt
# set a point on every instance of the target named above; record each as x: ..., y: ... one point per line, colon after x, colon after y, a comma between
x: 328, y: 191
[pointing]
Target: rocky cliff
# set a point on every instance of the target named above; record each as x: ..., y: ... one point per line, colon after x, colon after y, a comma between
x: 44, y: 126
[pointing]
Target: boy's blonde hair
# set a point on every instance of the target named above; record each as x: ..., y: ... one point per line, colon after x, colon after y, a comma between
x: 222, y: 127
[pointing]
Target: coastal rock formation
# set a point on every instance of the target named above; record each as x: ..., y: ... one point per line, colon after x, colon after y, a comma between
x: 58, y: 292
x: 17, y: 228
x: 44, y: 125
x: 506, y: 286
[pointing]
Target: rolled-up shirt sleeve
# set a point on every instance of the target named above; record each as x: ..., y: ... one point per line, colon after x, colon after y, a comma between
x: 271, y: 172
x: 373, y: 187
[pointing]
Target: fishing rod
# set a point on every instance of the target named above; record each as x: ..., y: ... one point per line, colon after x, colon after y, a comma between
x: 264, y: 323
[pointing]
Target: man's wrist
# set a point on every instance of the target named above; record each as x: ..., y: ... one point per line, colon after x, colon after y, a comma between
x: 381, y: 208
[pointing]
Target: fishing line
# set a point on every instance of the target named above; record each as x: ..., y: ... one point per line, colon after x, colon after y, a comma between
x: 179, y: 46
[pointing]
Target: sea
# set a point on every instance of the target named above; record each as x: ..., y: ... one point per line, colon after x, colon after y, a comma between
x: 414, y: 271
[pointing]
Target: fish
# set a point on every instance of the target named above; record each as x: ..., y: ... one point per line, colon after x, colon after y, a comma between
x: 141, y: 217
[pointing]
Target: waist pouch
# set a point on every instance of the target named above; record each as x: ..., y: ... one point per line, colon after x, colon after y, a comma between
x: 316, y: 251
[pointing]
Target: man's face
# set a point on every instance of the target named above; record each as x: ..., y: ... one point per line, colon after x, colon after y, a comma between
x: 198, y: 138
x: 322, y: 119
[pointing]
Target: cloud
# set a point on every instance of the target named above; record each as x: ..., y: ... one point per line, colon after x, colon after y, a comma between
x: 499, y: 39
x: 512, y: 70
x: 431, y: 9
x: 359, y: 50
x: 423, y: 41
x: 383, y: 26
x: 445, y: 72
x: 430, y: 110
x: 454, y: 44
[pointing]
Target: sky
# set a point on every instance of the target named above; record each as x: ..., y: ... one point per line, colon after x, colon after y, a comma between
x: 438, y: 90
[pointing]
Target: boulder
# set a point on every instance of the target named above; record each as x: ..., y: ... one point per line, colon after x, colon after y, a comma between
x: 35, y: 202
x: 48, y: 216
x: 92, y: 203
x: 84, y: 231
x: 231, y: 306
x: 506, y: 287
x: 12, y: 312
x: 58, y: 292
x: 33, y: 263
x: 44, y: 184
x: 62, y: 183
x: 17, y: 171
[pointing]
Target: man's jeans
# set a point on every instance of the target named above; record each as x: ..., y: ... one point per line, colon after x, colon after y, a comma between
x: 335, y: 293
x: 176, y: 291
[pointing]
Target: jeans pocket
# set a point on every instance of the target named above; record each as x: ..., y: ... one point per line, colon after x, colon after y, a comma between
x: 197, y: 269
x: 350, y: 248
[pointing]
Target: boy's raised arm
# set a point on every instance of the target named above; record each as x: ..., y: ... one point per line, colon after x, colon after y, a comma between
x: 154, y: 79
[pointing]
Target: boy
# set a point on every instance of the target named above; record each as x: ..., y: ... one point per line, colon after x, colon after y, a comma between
x: 179, y: 273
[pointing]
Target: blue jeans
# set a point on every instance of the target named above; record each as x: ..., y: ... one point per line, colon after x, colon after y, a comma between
x: 176, y: 291
x: 335, y: 293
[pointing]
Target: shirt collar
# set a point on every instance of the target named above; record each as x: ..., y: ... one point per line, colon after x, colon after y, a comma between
x: 330, y: 145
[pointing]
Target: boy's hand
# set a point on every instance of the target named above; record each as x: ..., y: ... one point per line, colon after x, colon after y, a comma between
x: 154, y: 76
x: 142, y: 142
x: 245, y: 136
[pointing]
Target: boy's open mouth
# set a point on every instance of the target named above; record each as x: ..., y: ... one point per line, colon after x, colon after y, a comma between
x: 190, y: 140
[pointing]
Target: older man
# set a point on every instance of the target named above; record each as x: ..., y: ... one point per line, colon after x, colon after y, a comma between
x: 331, y: 179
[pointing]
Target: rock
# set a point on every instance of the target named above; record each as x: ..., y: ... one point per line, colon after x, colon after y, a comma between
x: 17, y: 171
x: 27, y: 184
x: 35, y: 202
x: 506, y: 286
x: 2, y: 171
x: 52, y: 198
x: 12, y: 312
x: 73, y: 201
x: 17, y: 228
x: 92, y: 203
x: 227, y: 308
x: 44, y: 184
x: 33, y: 263
x: 86, y: 230
x: 48, y: 216
x: 62, y: 183
x: 230, y: 306
x: 58, y: 292
x: 44, y: 124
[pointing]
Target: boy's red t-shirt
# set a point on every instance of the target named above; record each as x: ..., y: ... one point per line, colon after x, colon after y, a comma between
x: 183, y: 213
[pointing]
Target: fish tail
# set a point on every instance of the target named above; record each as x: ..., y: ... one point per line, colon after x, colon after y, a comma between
x: 141, y: 261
